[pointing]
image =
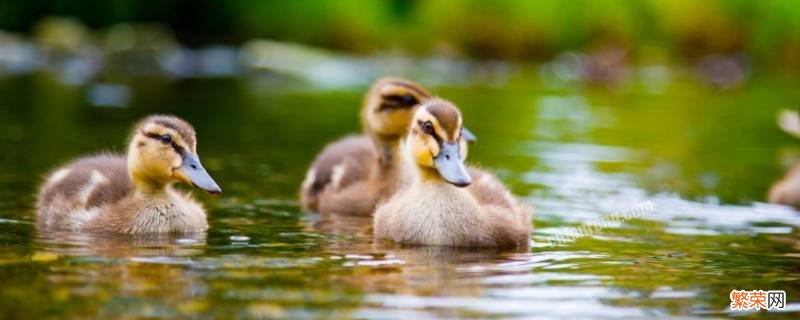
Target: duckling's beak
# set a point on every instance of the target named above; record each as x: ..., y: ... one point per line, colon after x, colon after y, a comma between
x: 450, y: 165
x: 192, y: 172
x: 468, y: 135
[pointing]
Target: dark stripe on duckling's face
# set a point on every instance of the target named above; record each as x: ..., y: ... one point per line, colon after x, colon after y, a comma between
x: 165, y: 139
x: 390, y: 102
x: 442, y: 121
x: 190, y: 170
x: 447, y: 116
x: 399, y: 95
x: 181, y: 127
x: 428, y: 128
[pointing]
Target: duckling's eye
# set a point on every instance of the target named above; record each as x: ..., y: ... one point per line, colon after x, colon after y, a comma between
x: 408, y: 100
x: 166, y: 139
x: 427, y: 127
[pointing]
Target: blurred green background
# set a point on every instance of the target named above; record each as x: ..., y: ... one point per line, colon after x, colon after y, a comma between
x: 681, y: 30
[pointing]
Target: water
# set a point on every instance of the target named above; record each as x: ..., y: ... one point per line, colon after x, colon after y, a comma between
x: 693, y: 160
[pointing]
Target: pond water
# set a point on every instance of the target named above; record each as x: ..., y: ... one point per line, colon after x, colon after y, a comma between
x: 692, y: 161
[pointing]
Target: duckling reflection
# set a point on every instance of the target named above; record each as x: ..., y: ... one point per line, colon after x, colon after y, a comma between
x: 352, y: 175
x: 72, y: 243
x: 428, y: 270
x: 787, y: 189
x: 358, y: 227
x: 358, y: 231
x: 132, y: 194
x: 148, y: 270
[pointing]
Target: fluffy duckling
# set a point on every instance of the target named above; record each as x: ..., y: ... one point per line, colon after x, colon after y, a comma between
x: 351, y: 175
x: 133, y: 194
x: 787, y: 190
x: 443, y: 205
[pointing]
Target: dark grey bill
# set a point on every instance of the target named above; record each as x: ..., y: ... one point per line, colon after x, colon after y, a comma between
x: 468, y: 135
x: 451, y: 166
x: 197, y: 174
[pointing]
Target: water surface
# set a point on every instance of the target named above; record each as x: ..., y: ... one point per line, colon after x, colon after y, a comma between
x: 700, y: 160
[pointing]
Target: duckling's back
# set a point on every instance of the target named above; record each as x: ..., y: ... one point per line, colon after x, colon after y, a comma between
x: 510, y: 218
x: 76, y: 192
x: 488, y: 190
x: 339, y: 165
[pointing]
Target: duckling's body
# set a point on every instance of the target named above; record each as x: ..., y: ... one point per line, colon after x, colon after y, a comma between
x: 442, y: 205
x: 350, y: 176
x: 429, y: 212
x: 787, y: 189
x: 133, y: 194
x: 96, y: 194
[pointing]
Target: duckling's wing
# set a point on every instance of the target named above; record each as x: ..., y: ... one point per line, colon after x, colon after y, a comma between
x: 510, y: 218
x: 357, y: 199
x: 787, y: 190
x: 488, y: 190
x: 339, y: 165
x: 83, y: 184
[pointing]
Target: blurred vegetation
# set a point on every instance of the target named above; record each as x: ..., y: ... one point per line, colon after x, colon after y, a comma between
x: 767, y: 31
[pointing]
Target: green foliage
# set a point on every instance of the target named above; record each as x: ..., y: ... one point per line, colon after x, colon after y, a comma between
x: 512, y: 29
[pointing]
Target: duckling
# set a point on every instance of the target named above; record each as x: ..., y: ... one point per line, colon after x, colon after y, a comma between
x: 351, y: 175
x: 131, y: 194
x: 789, y: 122
x: 787, y: 190
x: 443, y: 205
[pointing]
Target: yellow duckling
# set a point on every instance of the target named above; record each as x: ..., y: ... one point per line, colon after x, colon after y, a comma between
x: 447, y: 204
x: 133, y: 194
x: 353, y: 174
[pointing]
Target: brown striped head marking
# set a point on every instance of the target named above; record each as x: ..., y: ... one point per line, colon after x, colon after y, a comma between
x: 389, y: 105
x: 163, y: 149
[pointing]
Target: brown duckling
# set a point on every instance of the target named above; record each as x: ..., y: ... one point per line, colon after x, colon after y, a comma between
x: 787, y: 190
x: 131, y: 194
x: 447, y: 204
x: 351, y: 175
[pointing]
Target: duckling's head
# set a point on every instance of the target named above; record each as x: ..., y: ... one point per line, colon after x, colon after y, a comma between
x: 163, y: 150
x: 389, y: 105
x: 436, y: 140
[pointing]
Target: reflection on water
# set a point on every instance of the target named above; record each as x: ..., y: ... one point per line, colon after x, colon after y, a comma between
x: 703, y: 160
x: 65, y: 243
